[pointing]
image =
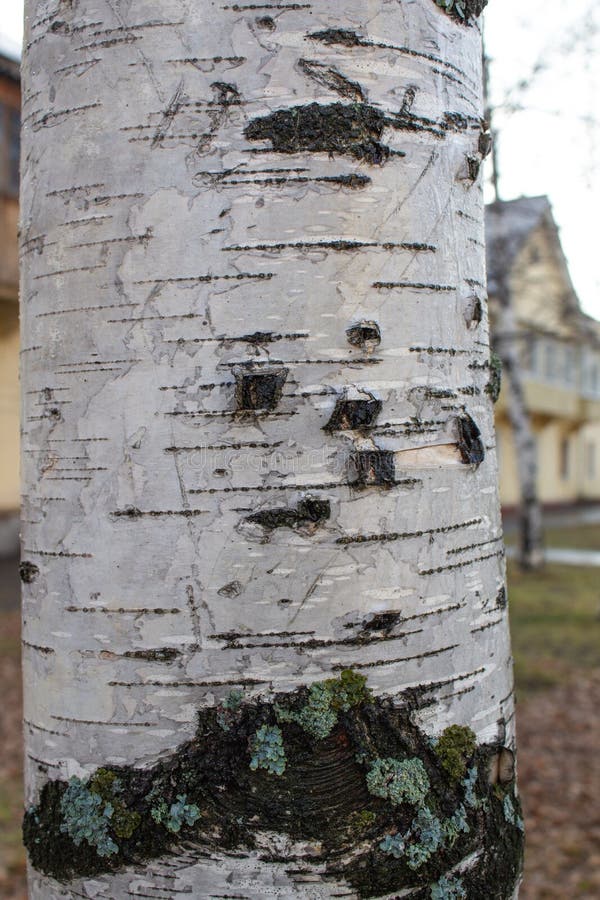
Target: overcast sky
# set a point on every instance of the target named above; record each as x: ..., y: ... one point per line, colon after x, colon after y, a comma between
x: 551, y: 147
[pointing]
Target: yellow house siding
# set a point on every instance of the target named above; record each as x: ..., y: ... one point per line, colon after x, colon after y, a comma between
x: 507, y: 464
x: 9, y: 406
x: 538, y: 280
x: 553, y: 486
x: 590, y: 462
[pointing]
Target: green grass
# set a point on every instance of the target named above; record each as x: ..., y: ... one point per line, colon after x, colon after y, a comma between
x: 555, y: 623
x: 581, y: 537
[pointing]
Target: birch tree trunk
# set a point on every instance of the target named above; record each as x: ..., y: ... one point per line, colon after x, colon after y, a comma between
x: 506, y: 342
x: 266, y: 650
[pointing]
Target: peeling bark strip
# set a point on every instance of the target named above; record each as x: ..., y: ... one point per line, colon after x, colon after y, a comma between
x: 266, y: 463
x: 328, y: 765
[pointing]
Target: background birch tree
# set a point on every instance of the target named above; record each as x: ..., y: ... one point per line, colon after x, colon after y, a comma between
x: 265, y: 625
x: 505, y: 344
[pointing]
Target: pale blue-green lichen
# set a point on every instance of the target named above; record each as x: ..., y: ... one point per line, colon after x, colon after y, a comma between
x: 326, y: 699
x: 510, y: 813
x: 86, y: 817
x: 173, y: 817
x: 399, y: 781
x: 317, y: 718
x: 469, y: 785
x: 429, y: 832
x: 267, y: 750
x: 449, y: 5
x: 448, y: 889
x: 455, y: 826
x: 394, y: 844
x: 226, y: 713
x: 426, y: 835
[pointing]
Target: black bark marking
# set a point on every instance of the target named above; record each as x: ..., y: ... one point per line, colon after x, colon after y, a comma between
x: 28, y: 572
x: 132, y: 512
x: 352, y: 413
x: 231, y: 589
x: 168, y: 116
x: 259, y: 390
x: 364, y: 334
x: 383, y: 622
x: 473, y: 167
x: 494, y: 385
x: 473, y: 312
x: 469, y: 441
x: 266, y: 23
x: 352, y: 130
x: 462, y: 565
x: 501, y: 598
x: 309, y: 511
x: 414, y: 285
x: 340, y: 36
x: 339, y: 246
x: 403, y: 535
x: 330, y: 78
x: 124, y: 611
x: 486, y: 142
x: 374, y: 467
x: 225, y: 95
x: 161, y: 654
x: 408, y: 100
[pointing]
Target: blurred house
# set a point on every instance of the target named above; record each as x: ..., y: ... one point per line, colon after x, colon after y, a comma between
x: 559, y: 348
x: 10, y: 122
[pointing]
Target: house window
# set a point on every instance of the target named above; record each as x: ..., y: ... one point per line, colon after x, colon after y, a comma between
x: 591, y: 461
x: 570, y: 366
x: 549, y: 359
x: 10, y: 148
x: 533, y: 355
x: 564, y: 458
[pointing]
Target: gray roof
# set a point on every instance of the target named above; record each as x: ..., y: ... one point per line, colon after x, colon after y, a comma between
x: 508, y: 224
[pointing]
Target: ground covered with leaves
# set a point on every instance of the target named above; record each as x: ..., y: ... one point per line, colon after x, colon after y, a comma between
x: 556, y: 635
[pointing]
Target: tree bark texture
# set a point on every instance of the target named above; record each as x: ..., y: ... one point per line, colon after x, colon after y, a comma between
x: 258, y: 453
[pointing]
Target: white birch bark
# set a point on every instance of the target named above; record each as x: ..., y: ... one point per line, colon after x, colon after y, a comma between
x: 161, y: 244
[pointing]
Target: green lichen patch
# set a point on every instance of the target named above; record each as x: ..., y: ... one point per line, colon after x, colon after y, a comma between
x: 267, y: 750
x: 463, y: 11
x: 106, y: 785
x: 176, y: 815
x: 454, y: 748
x: 329, y: 763
x: 319, y: 714
x: 448, y: 889
x: 85, y: 816
x: 337, y: 128
x: 228, y: 709
x: 399, y: 781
